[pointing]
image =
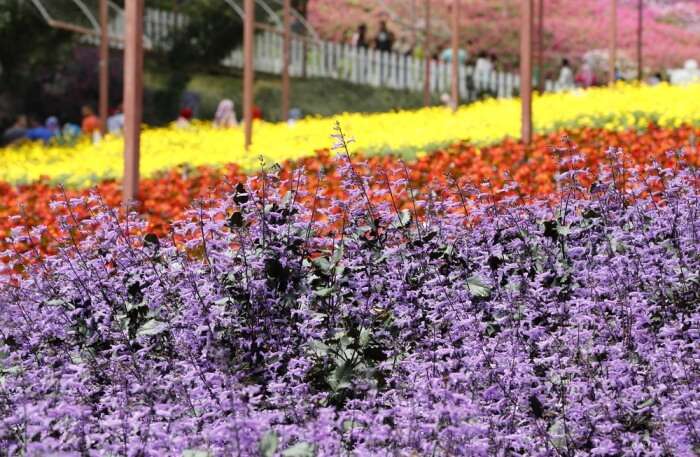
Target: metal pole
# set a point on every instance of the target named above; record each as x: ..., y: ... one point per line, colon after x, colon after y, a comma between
x: 133, y: 97
x: 540, y: 46
x: 455, y: 54
x: 640, y: 25
x: 426, y: 51
x: 526, y: 70
x: 613, y: 42
x: 414, y: 19
x: 104, y: 65
x: 248, y: 24
x: 285, y: 59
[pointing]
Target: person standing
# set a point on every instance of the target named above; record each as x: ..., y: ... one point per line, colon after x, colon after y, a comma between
x: 91, y: 123
x: 359, y: 38
x: 115, y: 122
x: 586, y: 76
x: 566, y: 76
x: 225, y: 116
x: 482, y: 71
x: 446, y: 54
x: 184, y: 117
x: 17, y: 131
x: 483, y: 63
x: 384, y: 41
x: 46, y: 132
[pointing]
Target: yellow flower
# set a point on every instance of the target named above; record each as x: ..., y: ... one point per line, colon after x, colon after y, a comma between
x: 411, y: 132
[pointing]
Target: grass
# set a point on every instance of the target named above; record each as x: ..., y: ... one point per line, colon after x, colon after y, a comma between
x: 313, y: 96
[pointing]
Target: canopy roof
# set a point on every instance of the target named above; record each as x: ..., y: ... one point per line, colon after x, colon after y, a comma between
x: 82, y: 16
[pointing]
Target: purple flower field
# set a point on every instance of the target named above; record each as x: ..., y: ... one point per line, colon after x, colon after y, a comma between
x: 475, y: 324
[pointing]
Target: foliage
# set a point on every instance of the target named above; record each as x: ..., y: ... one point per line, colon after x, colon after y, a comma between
x: 464, y: 323
x: 211, y: 32
x: 310, y: 95
x: 30, y: 53
x: 405, y: 132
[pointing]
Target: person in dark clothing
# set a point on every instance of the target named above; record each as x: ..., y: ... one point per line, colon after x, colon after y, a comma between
x: 17, y: 132
x: 359, y: 39
x: 384, y: 40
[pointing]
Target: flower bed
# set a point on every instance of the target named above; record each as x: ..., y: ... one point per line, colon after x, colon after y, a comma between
x: 407, y: 133
x: 468, y: 323
x: 166, y: 196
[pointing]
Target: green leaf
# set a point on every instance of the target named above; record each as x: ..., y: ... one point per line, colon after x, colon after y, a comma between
x: 236, y: 220
x: 318, y: 348
x: 557, y: 435
x: 338, y: 254
x: 323, y: 292
x: 646, y: 403
x: 340, y: 377
x: 365, y: 335
x: 477, y: 287
x: 348, y: 425
x: 195, y: 453
x: 59, y: 302
x: 301, y: 449
x: 550, y: 229
x: 152, y: 241
x: 152, y: 327
x: 403, y: 219
x: 268, y: 444
x: 322, y: 264
x: 449, y: 250
x: 241, y: 195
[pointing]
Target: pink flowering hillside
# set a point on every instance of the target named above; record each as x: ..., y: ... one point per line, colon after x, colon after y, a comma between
x: 571, y: 27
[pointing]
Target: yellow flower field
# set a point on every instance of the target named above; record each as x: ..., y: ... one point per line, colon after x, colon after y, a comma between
x: 407, y: 132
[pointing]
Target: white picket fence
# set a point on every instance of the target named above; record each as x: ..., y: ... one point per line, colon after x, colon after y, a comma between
x: 371, y: 67
x: 338, y: 61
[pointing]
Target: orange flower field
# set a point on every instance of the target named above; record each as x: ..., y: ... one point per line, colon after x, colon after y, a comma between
x: 169, y: 195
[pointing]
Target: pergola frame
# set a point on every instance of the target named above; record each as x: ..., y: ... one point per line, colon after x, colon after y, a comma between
x: 133, y: 67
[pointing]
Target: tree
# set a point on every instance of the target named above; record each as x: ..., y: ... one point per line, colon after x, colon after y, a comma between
x: 29, y: 56
x: 212, y: 31
x: 301, y: 6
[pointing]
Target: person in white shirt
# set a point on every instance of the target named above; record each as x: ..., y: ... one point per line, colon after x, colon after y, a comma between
x: 482, y: 70
x: 225, y: 116
x: 115, y: 122
x: 566, y: 76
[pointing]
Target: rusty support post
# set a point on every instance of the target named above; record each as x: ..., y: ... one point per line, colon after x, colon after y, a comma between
x: 133, y: 97
x: 612, y: 70
x: 640, y: 27
x: 104, y: 65
x: 248, y: 71
x: 427, y: 56
x: 526, y: 70
x: 287, y: 11
x: 540, y: 47
x: 455, y: 55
